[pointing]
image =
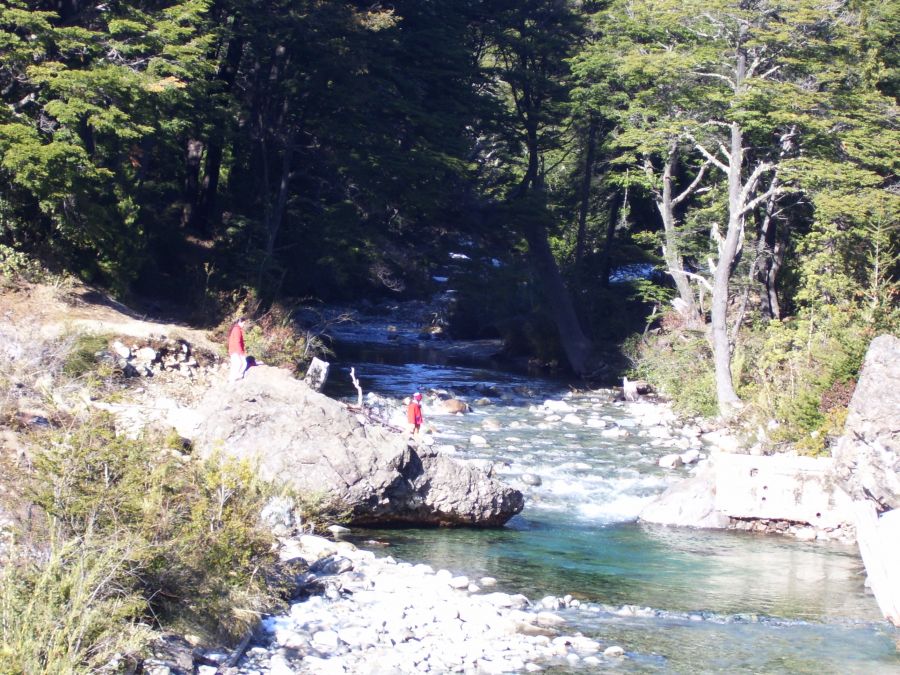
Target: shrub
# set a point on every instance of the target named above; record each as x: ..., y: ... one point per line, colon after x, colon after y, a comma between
x: 72, y: 612
x: 201, y: 554
x: 83, y: 357
x: 17, y: 266
x: 274, y: 338
x: 804, y: 373
x: 679, y: 365
x: 316, y: 511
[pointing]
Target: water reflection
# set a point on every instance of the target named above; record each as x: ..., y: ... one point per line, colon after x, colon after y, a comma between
x: 677, y: 570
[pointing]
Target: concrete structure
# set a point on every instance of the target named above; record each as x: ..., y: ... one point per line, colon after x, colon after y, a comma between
x: 781, y: 487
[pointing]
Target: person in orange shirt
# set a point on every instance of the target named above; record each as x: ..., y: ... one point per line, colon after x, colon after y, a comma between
x: 236, y: 351
x: 414, y: 413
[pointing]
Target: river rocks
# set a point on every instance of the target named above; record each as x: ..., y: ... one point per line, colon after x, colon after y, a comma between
x: 389, y: 617
x: 867, y: 456
x: 454, y: 406
x: 316, y: 445
x: 633, y: 389
x: 670, y: 461
x: 552, y: 406
x: 690, y: 457
x: 491, y: 424
x: 722, y: 439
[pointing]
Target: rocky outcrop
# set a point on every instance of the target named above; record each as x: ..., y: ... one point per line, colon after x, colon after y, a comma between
x: 867, y: 456
x: 867, y: 462
x: 879, y: 546
x: 781, y: 493
x: 315, y: 444
x: 688, y: 503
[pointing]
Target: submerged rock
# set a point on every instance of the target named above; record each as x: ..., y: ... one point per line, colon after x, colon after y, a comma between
x: 315, y: 444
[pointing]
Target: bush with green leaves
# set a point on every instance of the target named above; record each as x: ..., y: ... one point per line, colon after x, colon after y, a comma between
x: 803, y: 373
x: 679, y: 366
x: 273, y: 337
x: 199, y: 554
x: 75, y: 610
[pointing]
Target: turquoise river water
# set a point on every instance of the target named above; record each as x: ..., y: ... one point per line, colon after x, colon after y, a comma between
x: 677, y: 600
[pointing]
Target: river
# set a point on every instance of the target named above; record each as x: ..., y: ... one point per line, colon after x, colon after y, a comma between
x: 678, y: 600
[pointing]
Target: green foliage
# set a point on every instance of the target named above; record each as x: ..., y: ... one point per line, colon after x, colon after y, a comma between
x: 195, y: 546
x: 82, y: 358
x: 680, y: 367
x: 84, y: 97
x: 803, y: 374
x: 274, y: 338
x: 74, y: 611
x: 15, y: 265
x: 316, y: 511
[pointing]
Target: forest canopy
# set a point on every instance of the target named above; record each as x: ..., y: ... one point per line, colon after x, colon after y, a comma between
x: 207, y: 149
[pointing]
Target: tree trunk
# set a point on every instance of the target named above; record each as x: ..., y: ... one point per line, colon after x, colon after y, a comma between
x: 585, y: 192
x: 728, y: 249
x: 209, y: 187
x: 193, y: 155
x: 616, y: 209
x: 574, y: 343
x: 665, y: 204
x: 769, y: 254
x: 771, y: 278
x: 275, y: 216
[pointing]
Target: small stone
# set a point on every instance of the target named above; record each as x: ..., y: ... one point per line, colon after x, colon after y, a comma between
x: 550, y: 602
x: 121, y: 350
x: 326, y: 640
x: 670, y: 461
x: 690, y: 456
x: 614, y: 651
x: 549, y: 619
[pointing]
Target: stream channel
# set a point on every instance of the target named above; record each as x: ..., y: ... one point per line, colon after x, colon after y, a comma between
x: 676, y: 599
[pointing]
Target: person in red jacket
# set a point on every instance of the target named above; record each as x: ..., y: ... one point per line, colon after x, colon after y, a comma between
x: 414, y: 413
x: 236, y: 351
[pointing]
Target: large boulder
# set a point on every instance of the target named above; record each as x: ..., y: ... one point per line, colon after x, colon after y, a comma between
x: 315, y: 444
x: 867, y: 456
x: 688, y: 503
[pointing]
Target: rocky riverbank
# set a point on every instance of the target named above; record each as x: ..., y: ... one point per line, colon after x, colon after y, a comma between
x: 373, y: 614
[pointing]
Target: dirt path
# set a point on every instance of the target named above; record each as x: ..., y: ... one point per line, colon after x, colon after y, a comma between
x: 56, y: 311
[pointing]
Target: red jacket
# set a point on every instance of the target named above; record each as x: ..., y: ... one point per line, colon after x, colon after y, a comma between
x: 236, y: 340
x: 414, y: 413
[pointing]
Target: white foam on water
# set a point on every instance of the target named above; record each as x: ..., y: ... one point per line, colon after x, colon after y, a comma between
x: 622, y: 509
